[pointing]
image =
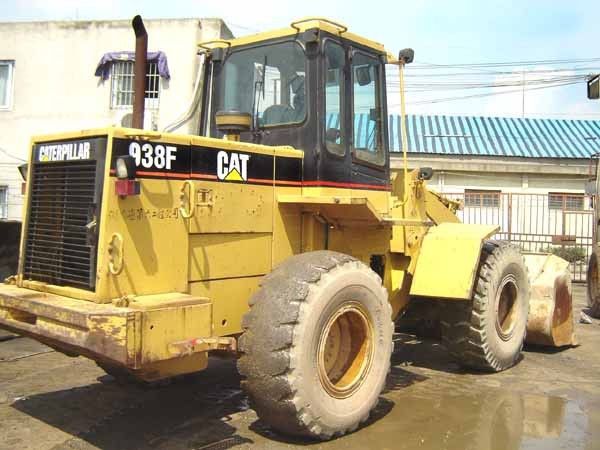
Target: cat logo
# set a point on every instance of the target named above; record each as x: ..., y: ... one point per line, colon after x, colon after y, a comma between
x: 232, y: 166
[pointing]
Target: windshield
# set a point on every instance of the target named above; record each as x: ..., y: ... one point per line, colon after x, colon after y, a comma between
x: 267, y: 82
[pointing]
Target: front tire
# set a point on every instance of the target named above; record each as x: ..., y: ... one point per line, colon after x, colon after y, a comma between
x: 488, y: 332
x: 316, y: 345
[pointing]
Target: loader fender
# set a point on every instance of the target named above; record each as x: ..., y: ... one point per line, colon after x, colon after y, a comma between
x: 448, y: 260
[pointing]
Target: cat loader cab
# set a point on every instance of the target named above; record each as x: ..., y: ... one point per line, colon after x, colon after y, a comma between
x: 313, y: 86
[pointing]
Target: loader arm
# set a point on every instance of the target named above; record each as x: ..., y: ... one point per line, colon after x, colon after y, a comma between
x: 440, y: 209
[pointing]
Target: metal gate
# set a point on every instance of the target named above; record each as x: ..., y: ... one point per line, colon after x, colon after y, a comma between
x: 558, y: 223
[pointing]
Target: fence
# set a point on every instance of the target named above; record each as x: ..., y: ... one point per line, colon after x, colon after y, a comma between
x: 563, y: 223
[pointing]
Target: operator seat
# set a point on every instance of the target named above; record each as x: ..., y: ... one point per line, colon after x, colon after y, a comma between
x: 277, y: 114
x: 281, y: 113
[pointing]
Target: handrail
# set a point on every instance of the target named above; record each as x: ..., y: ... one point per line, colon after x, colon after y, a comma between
x: 112, y: 267
x: 343, y: 28
x: 215, y: 41
x: 404, y: 141
x: 186, y: 214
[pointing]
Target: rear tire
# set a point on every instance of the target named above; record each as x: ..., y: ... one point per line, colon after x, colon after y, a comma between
x: 593, y: 286
x: 316, y: 345
x: 488, y: 332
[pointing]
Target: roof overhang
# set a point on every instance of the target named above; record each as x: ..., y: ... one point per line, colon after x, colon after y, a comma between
x: 486, y: 164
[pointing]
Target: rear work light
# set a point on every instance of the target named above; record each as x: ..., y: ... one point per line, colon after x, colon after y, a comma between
x: 126, y: 184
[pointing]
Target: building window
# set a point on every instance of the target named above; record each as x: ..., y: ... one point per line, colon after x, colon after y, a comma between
x: 482, y: 199
x: 122, y: 85
x: 3, y: 202
x: 6, y: 83
x: 568, y: 202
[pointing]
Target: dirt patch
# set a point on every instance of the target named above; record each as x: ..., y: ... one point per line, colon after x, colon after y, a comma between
x: 550, y: 400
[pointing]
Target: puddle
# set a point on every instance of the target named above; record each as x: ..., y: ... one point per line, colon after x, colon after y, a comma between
x: 446, y: 417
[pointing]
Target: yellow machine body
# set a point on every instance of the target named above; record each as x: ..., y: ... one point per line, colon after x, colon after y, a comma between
x: 177, y: 262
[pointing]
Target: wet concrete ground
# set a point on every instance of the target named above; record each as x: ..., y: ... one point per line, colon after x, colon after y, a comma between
x: 550, y: 400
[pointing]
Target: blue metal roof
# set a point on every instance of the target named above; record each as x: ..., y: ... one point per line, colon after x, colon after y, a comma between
x: 497, y: 136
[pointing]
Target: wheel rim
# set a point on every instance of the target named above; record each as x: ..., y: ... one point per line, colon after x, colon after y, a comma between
x: 345, y: 350
x: 506, y: 307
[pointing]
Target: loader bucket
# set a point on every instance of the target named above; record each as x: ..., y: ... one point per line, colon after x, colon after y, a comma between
x: 550, y: 320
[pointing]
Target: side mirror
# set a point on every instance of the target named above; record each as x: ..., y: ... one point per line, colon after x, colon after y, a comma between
x: 593, y: 87
x: 425, y: 173
x: 363, y: 75
x: 406, y: 56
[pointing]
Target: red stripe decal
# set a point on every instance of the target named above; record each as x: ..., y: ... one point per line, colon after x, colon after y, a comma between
x: 202, y: 176
x: 288, y: 183
x: 157, y: 174
x: 162, y: 174
x: 345, y: 185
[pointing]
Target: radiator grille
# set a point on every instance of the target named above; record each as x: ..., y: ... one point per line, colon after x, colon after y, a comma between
x: 59, y: 249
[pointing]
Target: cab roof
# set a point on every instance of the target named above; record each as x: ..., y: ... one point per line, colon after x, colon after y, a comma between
x: 296, y: 27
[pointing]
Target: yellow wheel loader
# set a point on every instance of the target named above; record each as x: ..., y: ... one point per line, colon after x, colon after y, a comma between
x: 276, y: 233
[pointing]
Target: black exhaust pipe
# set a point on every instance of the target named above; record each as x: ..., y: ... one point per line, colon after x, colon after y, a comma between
x: 139, y: 71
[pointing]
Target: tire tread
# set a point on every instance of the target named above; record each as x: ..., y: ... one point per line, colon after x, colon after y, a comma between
x: 269, y: 378
x: 464, y: 327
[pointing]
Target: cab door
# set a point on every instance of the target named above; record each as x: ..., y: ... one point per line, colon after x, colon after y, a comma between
x: 334, y: 159
x: 368, y: 121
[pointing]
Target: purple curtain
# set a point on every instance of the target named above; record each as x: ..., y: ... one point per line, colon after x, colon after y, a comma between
x: 103, y: 68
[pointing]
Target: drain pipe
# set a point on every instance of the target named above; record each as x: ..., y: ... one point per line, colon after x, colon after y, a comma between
x: 196, y: 97
x: 139, y: 71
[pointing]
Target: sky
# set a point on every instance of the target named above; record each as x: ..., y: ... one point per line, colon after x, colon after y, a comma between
x: 442, y: 33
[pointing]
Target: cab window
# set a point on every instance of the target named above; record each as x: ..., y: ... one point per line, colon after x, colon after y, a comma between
x: 267, y: 81
x: 366, y: 109
x: 335, y: 58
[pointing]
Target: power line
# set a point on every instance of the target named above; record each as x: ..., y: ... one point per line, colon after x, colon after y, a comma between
x: 451, y: 85
x: 449, y: 99
x: 426, y: 65
x: 477, y: 75
x: 243, y: 27
x: 11, y: 156
x: 587, y: 69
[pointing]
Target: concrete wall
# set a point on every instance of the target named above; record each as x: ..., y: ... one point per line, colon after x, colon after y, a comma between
x: 55, y: 88
x: 455, y: 174
x: 523, y: 210
x: 458, y: 182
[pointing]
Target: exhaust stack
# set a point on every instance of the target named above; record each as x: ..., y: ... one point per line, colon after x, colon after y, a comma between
x: 139, y: 71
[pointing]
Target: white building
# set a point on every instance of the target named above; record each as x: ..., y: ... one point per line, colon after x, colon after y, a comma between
x: 47, y: 82
x: 527, y: 175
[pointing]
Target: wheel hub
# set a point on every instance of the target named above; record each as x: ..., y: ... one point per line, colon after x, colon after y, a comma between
x: 345, y: 350
x: 506, y: 307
